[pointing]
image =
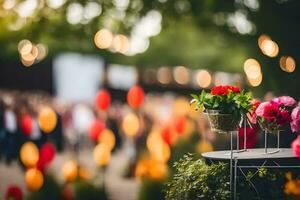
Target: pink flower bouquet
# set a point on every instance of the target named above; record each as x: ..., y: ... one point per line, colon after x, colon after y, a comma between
x: 275, y: 115
x: 295, y: 123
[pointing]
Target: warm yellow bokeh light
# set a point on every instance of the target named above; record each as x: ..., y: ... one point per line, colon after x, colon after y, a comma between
x: 70, y: 170
x: 158, y: 149
x: 154, y: 140
x: 42, y: 51
x: 27, y: 63
x: 120, y: 43
x: 107, y: 137
x: 255, y: 82
x: 204, y: 146
x: 252, y: 68
x: 131, y: 124
x: 181, y: 75
x: 34, y: 179
x: 101, y: 154
x: 47, y: 119
x: 103, y: 39
x: 189, y: 130
x: 203, y: 78
x: 269, y: 48
x: 164, y: 75
x: 29, y: 154
x: 25, y: 47
x: 287, y: 64
x: 158, y: 171
x: 84, y: 173
x: 181, y: 106
x: 261, y: 39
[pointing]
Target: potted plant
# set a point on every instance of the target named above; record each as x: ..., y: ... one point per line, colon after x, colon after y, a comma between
x: 225, y: 106
x: 275, y: 116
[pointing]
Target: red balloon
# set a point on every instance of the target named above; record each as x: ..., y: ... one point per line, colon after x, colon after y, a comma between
x: 47, y: 154
x: 96, y: 128
x: 180, y: 124
x: 135, y: 96
x: 14, y: 192
x: 166, y: 134
x: 103, y: 99
x: 26, y: 124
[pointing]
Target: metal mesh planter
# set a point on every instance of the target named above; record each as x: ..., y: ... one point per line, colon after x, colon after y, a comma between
x: 222, y: 123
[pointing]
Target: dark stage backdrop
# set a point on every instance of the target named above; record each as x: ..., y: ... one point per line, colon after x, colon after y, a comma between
x: 13, y: 75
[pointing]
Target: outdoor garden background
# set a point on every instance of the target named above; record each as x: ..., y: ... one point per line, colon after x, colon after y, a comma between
x: 75, y: 75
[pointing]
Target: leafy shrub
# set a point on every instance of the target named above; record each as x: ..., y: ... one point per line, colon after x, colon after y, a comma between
x: 196, y: 180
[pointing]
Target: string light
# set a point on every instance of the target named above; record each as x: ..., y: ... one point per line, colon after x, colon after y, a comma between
x: 203, y: 78
x: 103, y: 39
x: 252, y: 68
x: 287, y: 64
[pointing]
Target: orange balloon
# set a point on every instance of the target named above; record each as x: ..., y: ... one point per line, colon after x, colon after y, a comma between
x: 158, y: 170
x: 131, y: 124
x: 47, y: 119
x: 70, y: 170
x: 101, y: 154
x: 107, y: 137
x: 135, y: 96
x: 29, y: 154
x: 34, y: 179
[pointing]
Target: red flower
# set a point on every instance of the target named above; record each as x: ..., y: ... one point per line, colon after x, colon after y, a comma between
x: 233, y: 89
x: 283, y: 117
x: 14, y: 192
x: 223, y: 90
x: 219, y: 90
x: 271, y: 112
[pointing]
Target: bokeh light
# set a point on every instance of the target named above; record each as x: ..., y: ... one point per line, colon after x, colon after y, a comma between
x: 256, y: 81
x: 130, y: 124
x: 252, y: 68
x: 164, y: 75
x: 70, y: 170
x: 203, y: 78
x: 103, y: 39
x: 107, y: 137
x: 29, y: 154
x: 181, y: 75
x: 101, y: 154
x: 120, y: 43
x: 24, y: 47
x: 268, y: 47
x: 204, y: 146
x: 181, y: 106
x: 287, y: 64
x: 47, y: 119
x: 34, y: 179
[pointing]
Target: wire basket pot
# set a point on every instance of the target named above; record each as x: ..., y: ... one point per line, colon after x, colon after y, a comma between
x: 222, y: 123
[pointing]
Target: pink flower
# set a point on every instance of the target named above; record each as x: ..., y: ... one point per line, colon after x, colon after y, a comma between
x: 271, y: 112
x: 296, y: 146
x: 285, y: 101
x: 260, y: 109
x: 283, y: 117
x: 295, y: 124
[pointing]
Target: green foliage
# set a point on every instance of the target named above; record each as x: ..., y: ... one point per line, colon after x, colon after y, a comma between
x: 232, y: 103
x: 51, y: 190
x: 151, y: 190
x: 196, y: 180
x: 84, y: 190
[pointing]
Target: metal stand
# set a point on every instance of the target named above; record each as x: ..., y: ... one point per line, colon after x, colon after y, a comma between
x: 252, y: 159
x: 266, y: 143
x: 244, y: 121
